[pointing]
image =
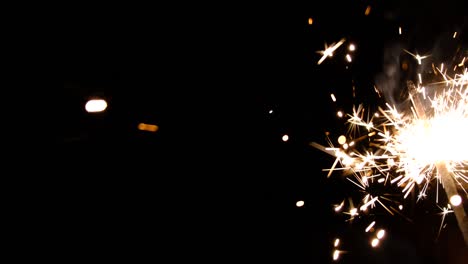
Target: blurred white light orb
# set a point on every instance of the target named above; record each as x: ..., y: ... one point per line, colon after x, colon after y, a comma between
x: 95, y: 105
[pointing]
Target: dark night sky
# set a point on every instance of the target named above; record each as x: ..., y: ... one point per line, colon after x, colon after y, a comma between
x: 216, y: 183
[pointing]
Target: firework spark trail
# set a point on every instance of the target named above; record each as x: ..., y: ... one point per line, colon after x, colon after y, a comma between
x: 328, y: 51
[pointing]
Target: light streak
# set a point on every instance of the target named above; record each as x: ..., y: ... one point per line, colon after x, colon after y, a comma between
x: 328, y: 51
x: 370, y: 226
x: 418, y: 57
x: 337, y: 242
x: 445, y: 211
x: 380, y: 234
x: 336, y: 254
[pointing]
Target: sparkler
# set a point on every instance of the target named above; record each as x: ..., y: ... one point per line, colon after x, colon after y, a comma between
x: 412, y: 148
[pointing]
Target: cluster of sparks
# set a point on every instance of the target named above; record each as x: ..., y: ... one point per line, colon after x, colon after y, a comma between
x: 404, y: 148
x: 410, y: 149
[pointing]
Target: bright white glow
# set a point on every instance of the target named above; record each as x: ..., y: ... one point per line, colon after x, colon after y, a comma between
x: 285, y: 138
x: 399, y: 30
x: 300, y: 203
x: 337, y: 242
x: 400, y: 207
x: 95, y: 105
x: 333, y: 97
x: 336, y: 254
x: 375, y: 242
x: 348, y: 58
x: 455, y: 34
x: 422, y: 139
x: 456, y: 200
x: 328, y: 51
x: 270, y: 112
x: 338, y: 207
x: 341, y: 140
x: 339, y: 114
x: 380, y: 234
x: 351, y: 47
x: 370, y: 226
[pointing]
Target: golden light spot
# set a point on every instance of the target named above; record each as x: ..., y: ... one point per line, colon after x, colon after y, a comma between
x: 310, y: 21
x: 404, y: 66
x: 368, y: 9
x: 148, y: 127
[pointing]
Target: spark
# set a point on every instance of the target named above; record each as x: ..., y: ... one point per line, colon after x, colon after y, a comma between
x: 368, y: 9
x: 285, y: 138
x: 375, y: 242
x: 328, y: 51
x: 456, y: 200
x: 380, y: 234
x: 337, y: 242
x: 333, y: 97
x: 336, y: 254
x: 418, y: 57
x: 348, y: 58
x: 445, y: 211
x: 96, y: 105
x: 338, y: 207
x: 352, y: 47
x: 462, y: 62
x: 399, y: 30
x: 370, y: 226
x: 341, y: 140
x: 454, y: 34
